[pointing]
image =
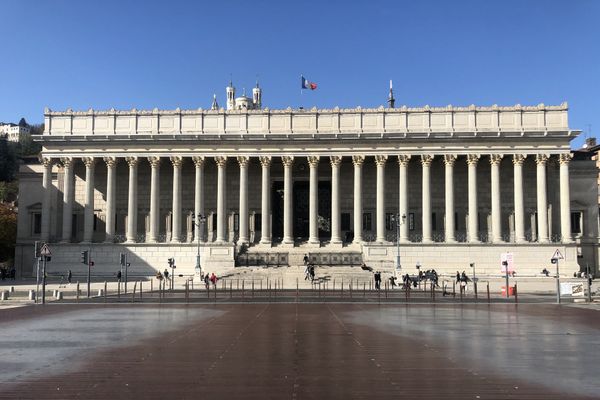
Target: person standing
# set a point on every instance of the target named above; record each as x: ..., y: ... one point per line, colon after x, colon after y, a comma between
x: 69, y: 276
x: 377, y: 280
x: 305, y: 259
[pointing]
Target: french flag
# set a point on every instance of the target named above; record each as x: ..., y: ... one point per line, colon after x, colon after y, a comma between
x: 306, y: 84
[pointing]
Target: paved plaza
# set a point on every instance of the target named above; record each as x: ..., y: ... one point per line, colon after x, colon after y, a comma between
x: 299, y: 351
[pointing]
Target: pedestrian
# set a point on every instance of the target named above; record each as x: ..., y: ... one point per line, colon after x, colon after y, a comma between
x: 13, y: 273
x: 393, y: 281
x: 69, y: 276
x: 166, y: 274
x: 214, y: 279
x: 119, y: 275
x: 206, y: 280
x: 307, y: 272
x: 457, y: 277
x: 312, y: 273
x: 377, y: 280
x: 305, y: 259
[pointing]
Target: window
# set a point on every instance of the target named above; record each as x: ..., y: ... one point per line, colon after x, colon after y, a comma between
x: 367, y: 221
x: 411, y: 221
x: 389, y: 221
x: 576, y: 222
x: 346, y: 221
x: 37, y: 223
x: 257, y: 222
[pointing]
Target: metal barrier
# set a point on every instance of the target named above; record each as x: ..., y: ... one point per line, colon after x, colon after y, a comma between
x: 262, y: 260
x: 335, y: 259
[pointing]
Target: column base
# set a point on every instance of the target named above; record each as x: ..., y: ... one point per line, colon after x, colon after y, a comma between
x: 287, y: 244
x: 64, y: 241
x: 86, y: 242
x: 474, y: 241
x: 129, y: 241
x: 314, y: 242
x: 358, y: 241
x: 152, y: 241
x: 265, y: 243
x: 544, y: 241
x: 335, y: 245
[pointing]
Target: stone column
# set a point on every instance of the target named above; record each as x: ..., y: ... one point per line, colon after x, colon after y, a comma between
x: 313, y: 204
x: 495, y: 160
x: 177, y: 162
x: 132, y: 206
x: 88, y: 215
x: 426, y: 199
x: 199, y: 198
x: 449, y: 225
x: 68, y: 195
x: 542, y: 202
x: 47, y: 188
x: 565, y: 199
x: 472, y: 160
x: 154, y: 199
x: 518, y: 160
x: 336, y: 233
x: 243, y: 235
x: 221, y: 198
x: 358, y: 208
x: 288, y: 214
x: 111, y: 197
x: 380, y: 161
x: 265, y: 237
x: 403, y: 161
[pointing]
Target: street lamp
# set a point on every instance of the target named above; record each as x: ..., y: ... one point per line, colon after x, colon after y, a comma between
x: 398, y: 220
x: 474, y: 279
x: 199, y: 221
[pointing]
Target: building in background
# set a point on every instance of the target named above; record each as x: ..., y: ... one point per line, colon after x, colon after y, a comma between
x: 13, y: 132
x: 466, y: 184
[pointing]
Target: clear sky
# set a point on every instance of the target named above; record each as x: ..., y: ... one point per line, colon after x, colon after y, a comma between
x: 168, y: 54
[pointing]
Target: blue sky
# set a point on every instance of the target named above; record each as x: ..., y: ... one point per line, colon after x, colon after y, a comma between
x: 147, y: 54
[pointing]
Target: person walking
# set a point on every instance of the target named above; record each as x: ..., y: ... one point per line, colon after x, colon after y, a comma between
x: 206, y: 280
x: 393, y: 281
x: 312, y: 273
x: 119, y: 276
x: 69, y: 276
x: 214, y: 279
x: 305, y: 259
x: 166, y: 274
x: 377, y: 280
x: 307, y: 272
x: 457, y: 277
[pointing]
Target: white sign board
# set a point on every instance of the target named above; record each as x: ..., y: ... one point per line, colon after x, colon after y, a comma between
x: 558, y: 255
x: 574, y: 289
x: 509, y: 258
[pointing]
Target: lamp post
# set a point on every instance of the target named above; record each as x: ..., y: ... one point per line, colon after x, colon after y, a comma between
x: 198, y: 222
x: 398, y: 220
x: 474, y: 279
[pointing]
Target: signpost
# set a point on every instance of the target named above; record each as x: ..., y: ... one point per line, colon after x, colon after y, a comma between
x: 554, y: 260
x: 507, y: 266
x: 45, y: 253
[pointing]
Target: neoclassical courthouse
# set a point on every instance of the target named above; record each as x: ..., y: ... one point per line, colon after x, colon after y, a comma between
x: 460, y: 185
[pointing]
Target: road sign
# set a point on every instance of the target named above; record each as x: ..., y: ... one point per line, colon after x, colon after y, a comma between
x: 558, y: 255
x: 510, y: 262
x: 45, y: 251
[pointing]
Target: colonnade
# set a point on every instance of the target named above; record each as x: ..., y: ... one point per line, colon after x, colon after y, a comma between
x: 313, y: 163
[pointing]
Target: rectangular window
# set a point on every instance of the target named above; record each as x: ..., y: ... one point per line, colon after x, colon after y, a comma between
x: 433, y: 222
x: 346, y: 221
x: 411, y: 221
x: 576, y: 222
x: 367, y: 221
x: 37, y: 223
x: 389, y: 223
x: 257, y: 222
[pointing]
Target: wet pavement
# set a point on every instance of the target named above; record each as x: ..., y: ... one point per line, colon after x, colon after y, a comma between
x: 299, y: 351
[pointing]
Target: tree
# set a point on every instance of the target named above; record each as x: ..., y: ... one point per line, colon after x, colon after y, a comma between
x: 8, y: 232
x: 8, y: 161
x: 8, y: 191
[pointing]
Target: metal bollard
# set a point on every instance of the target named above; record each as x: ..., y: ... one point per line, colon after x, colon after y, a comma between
x: 230, y: 290
x: 243, y: 281
x: 453, y: 289
x: 516, y: 296
x: 253, y: 287
x: 364, y: 289
x: 77, y: 291
x: 105, y: 290
x: 488, y: 293
x: 141, y: 290
x: 133, y: 293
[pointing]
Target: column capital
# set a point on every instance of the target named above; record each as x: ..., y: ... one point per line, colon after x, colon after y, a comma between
x: 88, y: 161
x: 177, y: 161
x: 243, y: 161
x: 154, y: 161
x: 541, y: 159
x: 221, y: 160
x: 380, y: 160
x: 449, y: 159
x: 473, y: 159
x: 518, y: 159
x: 132, y: 161
x: 67, y: 162
x: 335, y: 160
x: 265, y: 161
x: 426, y: 159
x: 358, y: 160
x: 198, y: 161
x: 110, y: 161
x: 565, y: 158
x: 404, y: 159
x: 46, y: 161
x: 313, y: 161
x: 495, y: 159
x: 287, y: 161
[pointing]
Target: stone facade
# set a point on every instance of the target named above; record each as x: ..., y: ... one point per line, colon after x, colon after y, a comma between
x: 311, y: 180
